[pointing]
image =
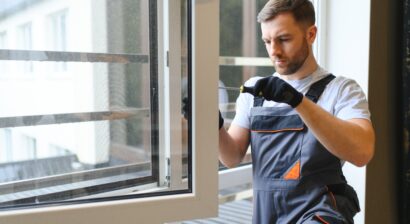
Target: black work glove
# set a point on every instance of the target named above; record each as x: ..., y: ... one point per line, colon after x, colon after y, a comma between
x: 275, y: 89
x: 186, y: 106
x: 221, y: 120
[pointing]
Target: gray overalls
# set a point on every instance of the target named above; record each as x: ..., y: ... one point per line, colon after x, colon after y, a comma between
x: 296, y: 180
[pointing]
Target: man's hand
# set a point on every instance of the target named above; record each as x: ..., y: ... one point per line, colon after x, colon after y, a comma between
x: 186, y: 107
x: 275, y: 89
x: 221, y: 120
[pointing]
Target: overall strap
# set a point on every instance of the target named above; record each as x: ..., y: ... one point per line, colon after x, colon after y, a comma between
x: 318, y: 87
x: 258, y: 101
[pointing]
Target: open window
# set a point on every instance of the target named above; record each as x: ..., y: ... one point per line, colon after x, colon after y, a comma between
x: 91, y: 128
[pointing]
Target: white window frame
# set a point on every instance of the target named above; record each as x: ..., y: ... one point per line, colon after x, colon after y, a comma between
x: 319, y: 47
x: 202, y: 202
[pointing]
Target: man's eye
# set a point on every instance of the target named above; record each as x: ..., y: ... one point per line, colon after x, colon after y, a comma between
x: 284, y: 40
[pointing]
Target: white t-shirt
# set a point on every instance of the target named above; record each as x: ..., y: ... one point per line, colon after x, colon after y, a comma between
x: 343, y: 98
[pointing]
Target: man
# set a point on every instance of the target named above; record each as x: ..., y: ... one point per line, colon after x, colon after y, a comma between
x: 302, y: 124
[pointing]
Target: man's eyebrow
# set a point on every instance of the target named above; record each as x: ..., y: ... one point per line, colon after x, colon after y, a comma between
x: 284, y: 35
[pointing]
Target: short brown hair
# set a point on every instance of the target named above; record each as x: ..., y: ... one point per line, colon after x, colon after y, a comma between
x: 302, y: 10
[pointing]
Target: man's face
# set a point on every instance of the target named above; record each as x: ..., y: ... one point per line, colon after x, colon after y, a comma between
x: 286, y: 43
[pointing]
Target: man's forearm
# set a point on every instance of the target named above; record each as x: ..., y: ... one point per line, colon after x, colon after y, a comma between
x: 351, y: 140
x: 232, y: 147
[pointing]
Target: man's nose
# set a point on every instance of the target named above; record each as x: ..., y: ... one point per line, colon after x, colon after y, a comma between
x: 275, y: 50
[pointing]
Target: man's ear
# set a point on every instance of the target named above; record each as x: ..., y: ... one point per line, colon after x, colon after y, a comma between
x: 311, y: 34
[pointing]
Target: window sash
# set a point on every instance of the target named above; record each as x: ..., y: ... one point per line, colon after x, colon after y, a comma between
x: 202, y: 202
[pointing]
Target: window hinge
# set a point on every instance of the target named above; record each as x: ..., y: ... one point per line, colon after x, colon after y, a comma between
x: 167, y: 59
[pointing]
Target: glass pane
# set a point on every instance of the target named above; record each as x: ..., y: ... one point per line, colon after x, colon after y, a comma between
x: 79, y: 98
x: 242, y: 52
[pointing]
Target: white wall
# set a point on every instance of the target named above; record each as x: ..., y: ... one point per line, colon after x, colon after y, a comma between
x: 347, y: 54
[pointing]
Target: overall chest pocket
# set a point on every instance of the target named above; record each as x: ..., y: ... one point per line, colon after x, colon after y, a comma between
x: 276, y: 142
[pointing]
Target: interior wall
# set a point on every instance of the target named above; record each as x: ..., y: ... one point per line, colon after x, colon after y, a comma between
x: 347, y: 54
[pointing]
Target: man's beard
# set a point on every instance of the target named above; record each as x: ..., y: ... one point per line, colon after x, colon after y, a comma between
x: 296, y: 62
